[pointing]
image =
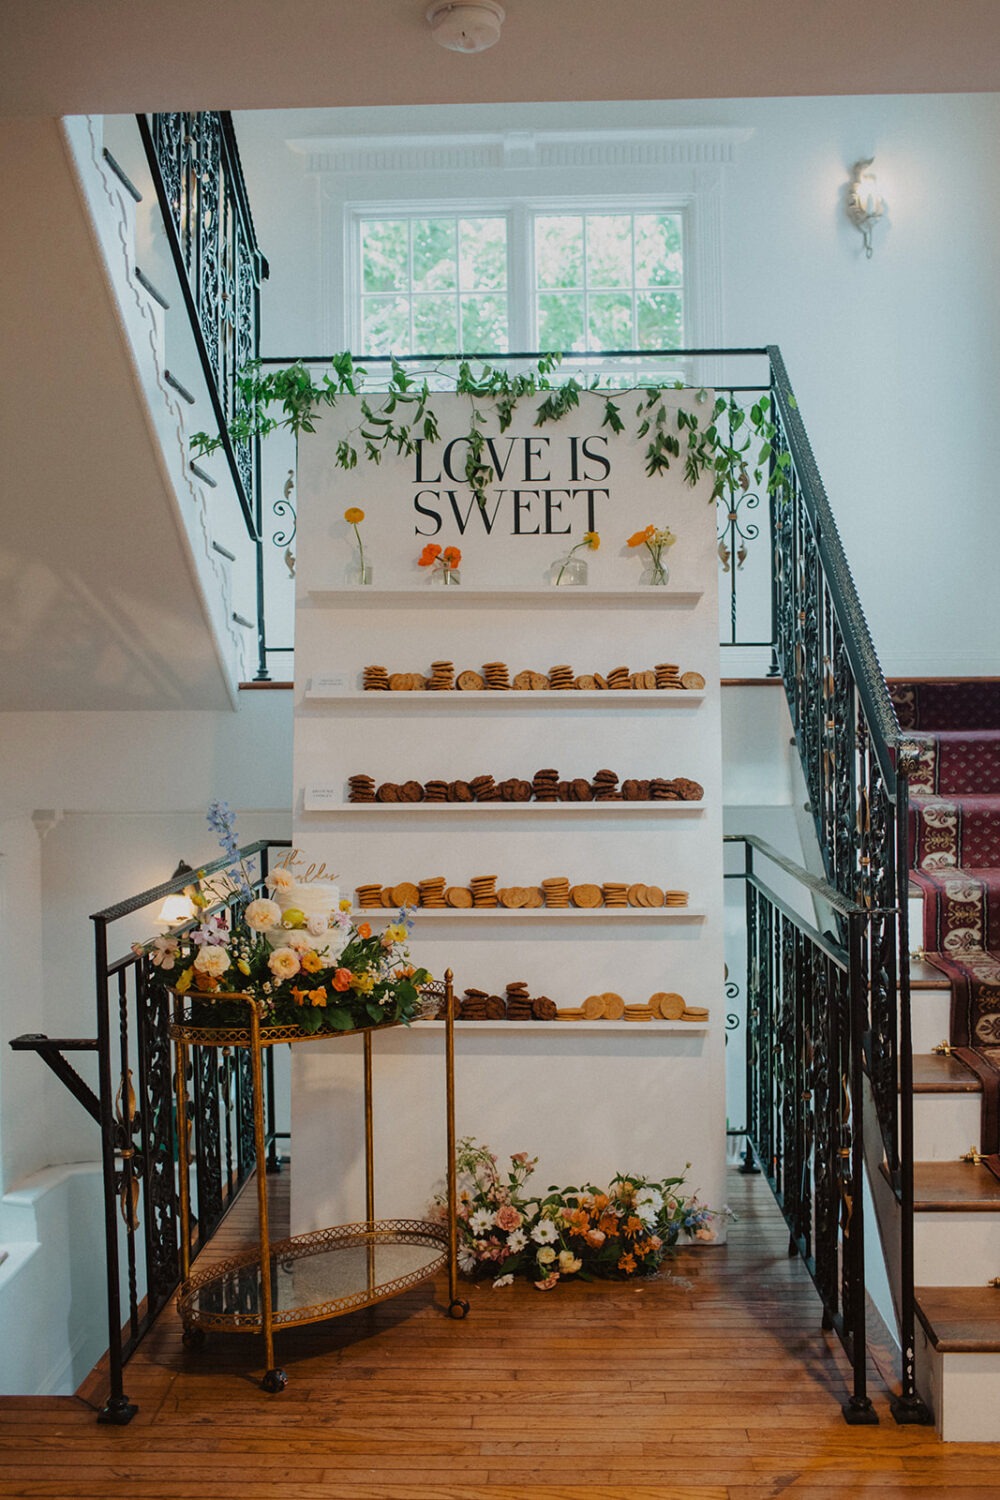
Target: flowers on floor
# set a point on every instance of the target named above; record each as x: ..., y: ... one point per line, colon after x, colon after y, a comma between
x: 504, y: 1230
x: 656, y: 541
x: 318, y: 971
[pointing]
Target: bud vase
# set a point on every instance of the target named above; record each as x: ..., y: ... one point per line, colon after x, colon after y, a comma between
x: 568, y: 571
x: 358, y: 573
x: 445, y: 576
x: 656, y: 574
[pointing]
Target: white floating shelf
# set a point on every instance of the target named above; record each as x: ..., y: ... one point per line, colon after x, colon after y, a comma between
x: 327, y: 799
x: 530, y: 595
x: 570, y: 698
x: 540, y: 914
x: 603, y: 1027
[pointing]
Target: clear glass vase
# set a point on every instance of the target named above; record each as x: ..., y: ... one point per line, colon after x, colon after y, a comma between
x: 358, y: 573
x: 568, y: 571
x: 445, y: 576
x: 657, y: 574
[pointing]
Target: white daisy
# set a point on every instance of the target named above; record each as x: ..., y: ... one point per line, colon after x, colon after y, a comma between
x: 544, y: 1232
x: 482, y: 1221
x: 516, y: 1240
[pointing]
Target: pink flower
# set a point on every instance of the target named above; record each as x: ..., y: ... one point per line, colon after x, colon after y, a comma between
x: 595, y: 1238
x: 705, y: 1234
x: 549, y: 1282
x: 508, y: 1217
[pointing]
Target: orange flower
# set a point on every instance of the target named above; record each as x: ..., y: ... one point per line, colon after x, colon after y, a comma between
x: 406, y: 972
x: 430, y: 555
x: 633, y: 1225
x: 641, y: 537
x: 364, y: 930
x: 609, y: 1225
x: 354, y: 515
x: 626, y: 1263
x: 310, y: 962
x: 318, y: 997
x: 600, y: 1202
x: 341, y: 980
x: 452, y: 557
x: 299, y: 996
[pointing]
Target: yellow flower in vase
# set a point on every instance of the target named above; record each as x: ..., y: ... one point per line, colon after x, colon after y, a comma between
x: 572, y: 569
x: 354, y: 515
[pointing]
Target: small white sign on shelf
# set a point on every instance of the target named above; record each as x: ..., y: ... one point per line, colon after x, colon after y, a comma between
x: 328, y: 684
x: 321, y: 798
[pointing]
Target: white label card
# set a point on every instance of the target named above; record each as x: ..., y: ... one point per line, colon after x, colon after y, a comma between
x: 319, y: 798
x: 329, y: 684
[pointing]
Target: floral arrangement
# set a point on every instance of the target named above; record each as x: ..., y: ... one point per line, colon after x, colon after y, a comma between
x: 591, y: 539
x: 504, y: 1231
x: 317, y: 973
x: 354, y: 515
x: 446, y: 561
x: 656, y: 541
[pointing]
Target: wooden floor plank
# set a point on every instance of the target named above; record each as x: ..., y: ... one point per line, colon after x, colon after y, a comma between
x: 716, y: 1383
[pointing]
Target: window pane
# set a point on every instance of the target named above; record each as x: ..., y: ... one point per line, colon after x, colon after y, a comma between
x: 559, y: 253
x: 610, y: 323
x: 434, y: 263
x: 435, y: 325
x: 661, y: 320
x: 609, y: 250
x: 657, y: 250
x: 560, y: 320
x: 483, y: 254
x: 384, y: 255
x: 386, y: 325
x: 484, y: 325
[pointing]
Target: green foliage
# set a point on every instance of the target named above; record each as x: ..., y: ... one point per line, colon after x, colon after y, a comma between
x: 392, y: 420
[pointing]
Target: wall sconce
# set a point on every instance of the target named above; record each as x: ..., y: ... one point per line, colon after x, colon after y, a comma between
x: 465, y: 25
x: 864, y: 205
x: 179, y: 908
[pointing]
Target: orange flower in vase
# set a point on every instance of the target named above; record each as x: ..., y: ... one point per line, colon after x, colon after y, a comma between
x: 656, y: 541
x: 443, y: 562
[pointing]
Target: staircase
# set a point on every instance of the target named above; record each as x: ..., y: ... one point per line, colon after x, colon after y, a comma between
x: 952, y: 737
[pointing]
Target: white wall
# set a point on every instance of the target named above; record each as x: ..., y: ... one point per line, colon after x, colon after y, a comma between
x: 893, y: 360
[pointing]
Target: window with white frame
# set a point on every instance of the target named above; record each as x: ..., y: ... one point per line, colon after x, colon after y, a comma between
x: 525, y: 277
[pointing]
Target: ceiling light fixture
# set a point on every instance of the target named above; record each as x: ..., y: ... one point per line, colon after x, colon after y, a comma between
x: 465, y: 25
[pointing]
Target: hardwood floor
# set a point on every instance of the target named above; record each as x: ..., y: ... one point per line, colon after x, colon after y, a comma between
x: 717, y: 1385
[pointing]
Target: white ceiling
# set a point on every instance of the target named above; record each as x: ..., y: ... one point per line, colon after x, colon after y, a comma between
x: 117, y: 56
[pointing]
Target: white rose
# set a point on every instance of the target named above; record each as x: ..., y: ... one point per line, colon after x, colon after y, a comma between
x: 317, y: 925
x: 212, y: 961
x: 284, y: 963
x: 546, y: 1255
x: 262, y: 914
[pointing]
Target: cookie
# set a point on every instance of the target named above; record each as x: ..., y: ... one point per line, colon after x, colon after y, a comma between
x: 469, y: 682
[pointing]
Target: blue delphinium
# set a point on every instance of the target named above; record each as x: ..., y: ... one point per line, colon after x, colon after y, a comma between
x: 222, y: 820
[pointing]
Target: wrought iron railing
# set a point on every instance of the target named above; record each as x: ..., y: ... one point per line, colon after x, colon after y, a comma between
x: 135, y: 1110
x: 196, y: 170
x: 805, y: 1038
x: 849, y: 744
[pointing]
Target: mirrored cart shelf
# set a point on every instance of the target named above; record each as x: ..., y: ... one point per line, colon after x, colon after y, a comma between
x: 515, y: 698
x: 542, y: 913
x: 531, y: 596
x: 604, y: 1027
x: 326, y: 799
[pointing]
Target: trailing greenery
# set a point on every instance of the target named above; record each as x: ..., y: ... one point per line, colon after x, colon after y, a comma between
x: 734, y: 446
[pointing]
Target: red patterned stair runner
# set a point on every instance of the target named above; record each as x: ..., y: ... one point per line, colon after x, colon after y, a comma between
x: 955, y: 862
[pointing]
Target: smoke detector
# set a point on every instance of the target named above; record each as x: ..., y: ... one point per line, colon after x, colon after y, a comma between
x: 465, y: 25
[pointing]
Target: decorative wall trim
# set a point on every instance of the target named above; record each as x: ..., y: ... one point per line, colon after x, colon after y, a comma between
x: 521, y: 150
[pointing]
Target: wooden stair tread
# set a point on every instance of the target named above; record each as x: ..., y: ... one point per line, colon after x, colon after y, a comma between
x: 936, y: 1073
x: 924, y: 976
x: 961, y: 1319
x: 956, y: 1185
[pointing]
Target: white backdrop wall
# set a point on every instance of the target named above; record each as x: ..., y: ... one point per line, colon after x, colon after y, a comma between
x: 892, y: 359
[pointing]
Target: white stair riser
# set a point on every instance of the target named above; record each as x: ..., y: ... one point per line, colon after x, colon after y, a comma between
x: 956, y: 1249
x: 916, y: 921
x: 963, y: 1390
x: 944, y: 1125
x: 930, y: 1018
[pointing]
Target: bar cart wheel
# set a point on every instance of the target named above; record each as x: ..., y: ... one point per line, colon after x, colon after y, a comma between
x: 274, y: 1381
x: 458, y: 1308
x: 193, y: 1337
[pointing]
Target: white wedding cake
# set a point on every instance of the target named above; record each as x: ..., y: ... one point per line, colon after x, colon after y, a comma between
x: 313, y: 898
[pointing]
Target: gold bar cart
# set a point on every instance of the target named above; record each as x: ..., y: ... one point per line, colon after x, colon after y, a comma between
x: 308, y: 1277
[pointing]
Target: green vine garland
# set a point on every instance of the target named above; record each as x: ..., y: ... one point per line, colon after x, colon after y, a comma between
x: 398, y: 417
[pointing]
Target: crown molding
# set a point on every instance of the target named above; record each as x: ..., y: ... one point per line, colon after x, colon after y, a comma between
x: 524, y: 150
